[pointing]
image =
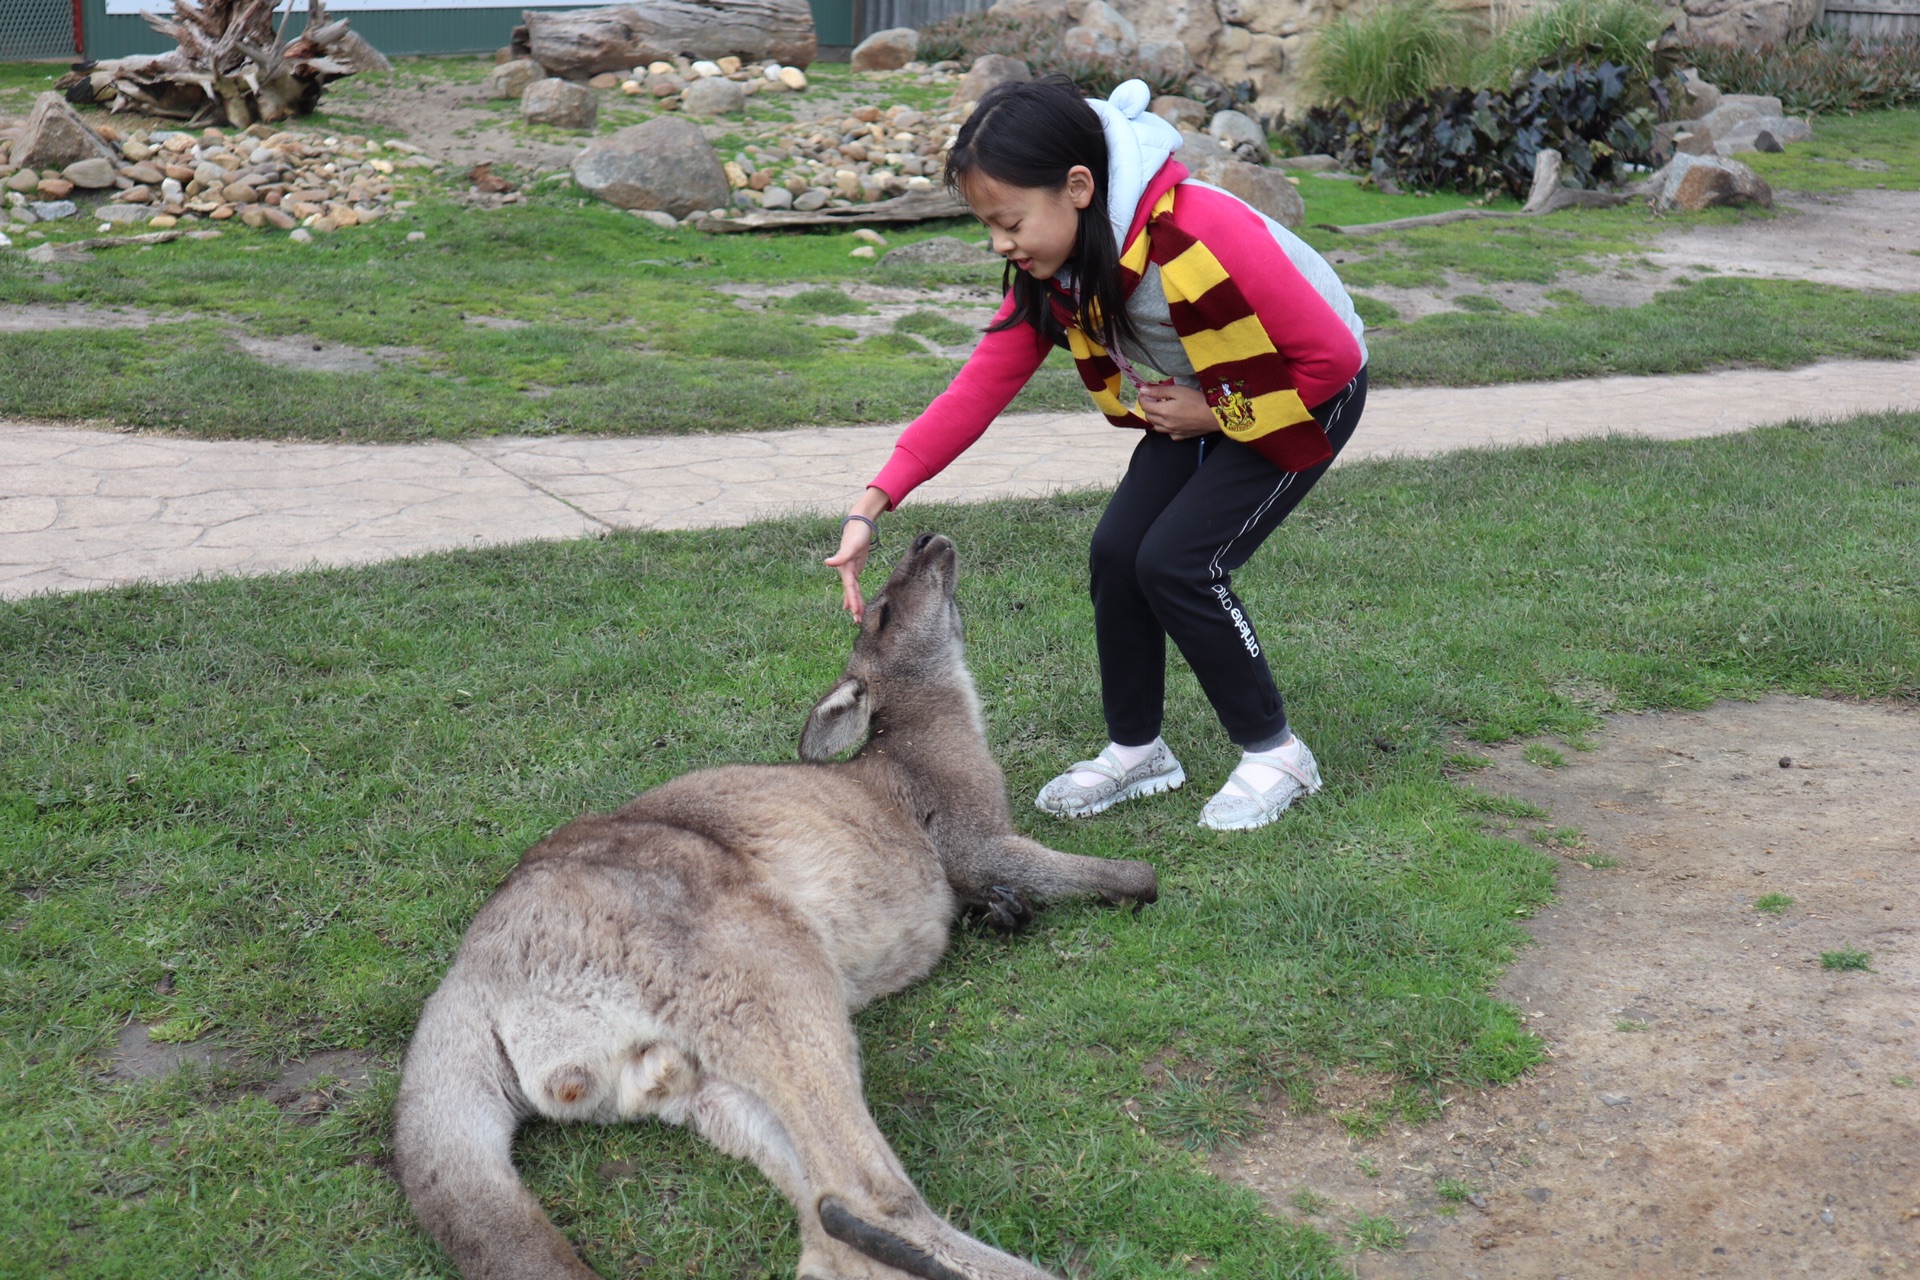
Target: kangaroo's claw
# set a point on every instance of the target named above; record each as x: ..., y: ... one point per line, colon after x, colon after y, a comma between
x: 1007, y: 909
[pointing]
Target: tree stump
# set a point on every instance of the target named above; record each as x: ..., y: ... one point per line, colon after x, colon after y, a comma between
x: 231, y: 65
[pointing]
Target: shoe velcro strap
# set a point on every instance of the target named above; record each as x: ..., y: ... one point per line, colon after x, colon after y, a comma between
x: 1274, y: 761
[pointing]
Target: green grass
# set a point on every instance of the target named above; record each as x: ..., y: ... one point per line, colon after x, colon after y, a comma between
x: 1878, y: 138
x: 1376, y: 1231
x: 1309, y: 1201
x: 1455, y: 1190
x: 1846, y: 960
x: 269, y: 807
x: 1773, y: 904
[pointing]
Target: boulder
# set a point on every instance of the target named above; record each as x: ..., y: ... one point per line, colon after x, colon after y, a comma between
x: 1776, y: 131
x: 1691, y: 183
x: 53, y: 210
x: 55, y: 136
x: 92, y: 173
x: 987, y: 73
x: 1696, y: 97
x: 1181, y: 113
x: 664, y: 163
x: 510, y: 79
x: 1264, y: 189
x: 1101, y: 32
x: 713, y: 96
x: 1748, y: 22
x: 1241, y: 134
x: 944, y: 251
x: 1165, y: 60
x: 1198, y: 147
x: 560, y: 103
x: 887, y: 50
x: 122, y: 214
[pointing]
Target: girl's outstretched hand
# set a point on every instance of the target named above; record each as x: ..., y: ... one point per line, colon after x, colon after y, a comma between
x: 856, y: 543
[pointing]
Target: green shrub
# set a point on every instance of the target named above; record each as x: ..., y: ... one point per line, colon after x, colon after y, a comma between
x: 1591, y: 30
x: 1820, y: 74
x: 1599, y: 118
x: 1404, y: 50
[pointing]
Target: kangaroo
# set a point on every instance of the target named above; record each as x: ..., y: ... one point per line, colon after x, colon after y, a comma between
x: 695, y: 956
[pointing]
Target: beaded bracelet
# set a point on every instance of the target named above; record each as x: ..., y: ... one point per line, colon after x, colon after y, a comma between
x: 872, y: 528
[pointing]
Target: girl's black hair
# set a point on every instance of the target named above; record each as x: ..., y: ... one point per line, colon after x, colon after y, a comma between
x: 1029, y: 134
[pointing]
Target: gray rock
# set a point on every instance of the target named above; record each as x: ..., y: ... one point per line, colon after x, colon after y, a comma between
x: 1164, y: 60
x: 1102, y: 32
x: 48, y: 254
x: 92, y: 173
x: 1696, y: 97
x: 53, y: 210
x: 942, y: 251
x: 664, y: 163
x: 1762, y: 103
x: 123, y: 214
x: 1181, y: 113
x: 776, y: 198
x: 55, y: 136
x: 713, y: 96
x: 1615, y: 1099
x: 887, y: 50
x: 1691, y: 183
x: 1539, y: 1195
x: 988, y: 73
x: 1198, y: 148
x: 1310, y: 164
x: 560, y: 103
x: 812, y: 198
x: 1241, y: 134
x: 1263, y: 188
x: 658, y: 217
x: 510, y: 79
x: 1745, y: 136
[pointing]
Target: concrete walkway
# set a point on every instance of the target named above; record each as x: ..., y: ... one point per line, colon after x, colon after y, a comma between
x: 86, y: 509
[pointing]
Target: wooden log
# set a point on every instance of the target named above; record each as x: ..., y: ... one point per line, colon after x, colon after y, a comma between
x: 915, y: 206
x: 580, y: 43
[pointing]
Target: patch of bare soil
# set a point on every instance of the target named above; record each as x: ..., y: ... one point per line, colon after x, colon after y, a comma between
x: 310, y: 356
x: 1716, y: 1102
x: 1859, y: 239
x: 303, y: 1086
x: 966, y: 304
x: 37, y: 317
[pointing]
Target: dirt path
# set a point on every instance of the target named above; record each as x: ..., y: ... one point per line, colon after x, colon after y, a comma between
x: 1716, y: 1103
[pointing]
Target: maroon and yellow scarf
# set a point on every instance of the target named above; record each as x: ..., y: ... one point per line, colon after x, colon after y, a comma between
x: 1245, y: 379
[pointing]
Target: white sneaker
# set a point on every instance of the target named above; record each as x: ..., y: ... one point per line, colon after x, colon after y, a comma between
x: 1066, y: 798
x: 1240, y: 807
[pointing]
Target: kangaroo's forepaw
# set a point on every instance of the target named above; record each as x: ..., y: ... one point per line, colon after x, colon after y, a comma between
x: 1007, y: 909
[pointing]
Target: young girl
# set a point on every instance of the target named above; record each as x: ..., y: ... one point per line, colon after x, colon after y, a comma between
x: 1248, y: 370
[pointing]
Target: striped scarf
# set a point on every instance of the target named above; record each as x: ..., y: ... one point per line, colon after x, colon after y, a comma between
x: 1246, y: 382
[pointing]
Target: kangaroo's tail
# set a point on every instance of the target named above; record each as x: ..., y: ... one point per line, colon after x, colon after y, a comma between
x: 460, y: 1102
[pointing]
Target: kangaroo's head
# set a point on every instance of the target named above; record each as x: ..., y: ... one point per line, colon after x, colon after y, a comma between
x: 907, y: 663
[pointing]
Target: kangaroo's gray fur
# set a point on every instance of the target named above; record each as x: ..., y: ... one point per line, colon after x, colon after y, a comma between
x: 695, y: 956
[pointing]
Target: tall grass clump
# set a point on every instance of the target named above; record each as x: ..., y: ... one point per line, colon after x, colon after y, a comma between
x: 1616, y: 31
x: 1403, y: 50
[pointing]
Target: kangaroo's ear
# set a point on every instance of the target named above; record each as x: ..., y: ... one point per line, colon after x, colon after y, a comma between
x: 838, y: 721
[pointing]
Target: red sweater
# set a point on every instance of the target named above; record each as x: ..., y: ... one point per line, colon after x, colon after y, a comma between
x: 1321, y: 351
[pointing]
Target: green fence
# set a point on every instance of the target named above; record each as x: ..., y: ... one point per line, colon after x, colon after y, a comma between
x: 398, y: 32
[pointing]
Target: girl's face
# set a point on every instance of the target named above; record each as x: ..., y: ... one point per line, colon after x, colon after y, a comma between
x: 1031, y: 227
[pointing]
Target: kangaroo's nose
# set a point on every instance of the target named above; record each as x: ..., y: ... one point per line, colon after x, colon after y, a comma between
x: 920, y: 543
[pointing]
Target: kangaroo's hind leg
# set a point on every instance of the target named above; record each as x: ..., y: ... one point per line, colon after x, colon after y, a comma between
x: 781, y: 1086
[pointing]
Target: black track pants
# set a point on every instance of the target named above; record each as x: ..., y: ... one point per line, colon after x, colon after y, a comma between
x: 1186, y: 515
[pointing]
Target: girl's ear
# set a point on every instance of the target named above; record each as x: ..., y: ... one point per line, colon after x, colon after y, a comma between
x: 1080, y: 186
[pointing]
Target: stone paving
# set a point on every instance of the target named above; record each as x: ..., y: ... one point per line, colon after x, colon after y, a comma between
x: 83, y: 509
